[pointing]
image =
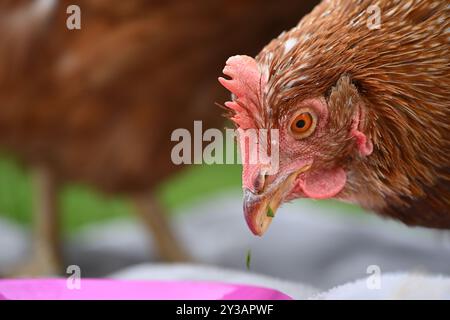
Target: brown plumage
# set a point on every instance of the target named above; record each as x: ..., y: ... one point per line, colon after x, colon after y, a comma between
x: 98, y: 105
x: 392, y: 83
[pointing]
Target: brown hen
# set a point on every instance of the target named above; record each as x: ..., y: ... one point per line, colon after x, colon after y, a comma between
x: 362, y: 110
x: 98, y: 105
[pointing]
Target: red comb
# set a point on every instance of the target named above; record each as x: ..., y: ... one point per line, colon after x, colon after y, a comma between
x: 245, y: 83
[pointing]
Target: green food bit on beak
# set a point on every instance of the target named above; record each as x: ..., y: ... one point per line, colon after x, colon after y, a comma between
x: 249, y: 259
x: 270, y: 212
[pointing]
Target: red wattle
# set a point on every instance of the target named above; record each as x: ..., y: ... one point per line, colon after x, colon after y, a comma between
x: 324, y: 184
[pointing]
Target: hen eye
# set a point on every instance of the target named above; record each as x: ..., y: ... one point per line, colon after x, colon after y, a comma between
x: 303, y: 124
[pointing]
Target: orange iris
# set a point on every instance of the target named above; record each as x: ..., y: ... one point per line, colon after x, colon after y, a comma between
x: 302, y: 123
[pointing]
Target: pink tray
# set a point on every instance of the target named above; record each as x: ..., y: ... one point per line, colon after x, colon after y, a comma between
x: 105, y: 289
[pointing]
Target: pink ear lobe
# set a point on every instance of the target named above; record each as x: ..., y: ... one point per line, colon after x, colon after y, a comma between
x: 364, y: 144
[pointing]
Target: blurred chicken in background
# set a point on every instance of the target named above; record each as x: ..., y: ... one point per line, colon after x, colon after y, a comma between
x: 98, y: 105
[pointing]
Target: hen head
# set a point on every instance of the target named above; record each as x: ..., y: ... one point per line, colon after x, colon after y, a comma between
x: 355, y: 120
x: 316, y: 138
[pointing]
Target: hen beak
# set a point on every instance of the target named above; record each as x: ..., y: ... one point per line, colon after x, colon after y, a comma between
x: 260, y: 209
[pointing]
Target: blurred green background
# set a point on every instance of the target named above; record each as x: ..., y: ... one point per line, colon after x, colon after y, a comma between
x: 81, y: 205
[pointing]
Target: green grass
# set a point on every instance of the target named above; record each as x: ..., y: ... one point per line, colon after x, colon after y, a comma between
x: 15, y: 191
x: 199, y: 182
x: 82, y: 205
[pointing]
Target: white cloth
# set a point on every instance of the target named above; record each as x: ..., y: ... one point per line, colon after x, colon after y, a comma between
x: 391, y: 286
x: 394, y: 286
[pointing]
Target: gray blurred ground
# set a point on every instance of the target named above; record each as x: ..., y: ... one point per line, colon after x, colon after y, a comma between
x: 306, y: 243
